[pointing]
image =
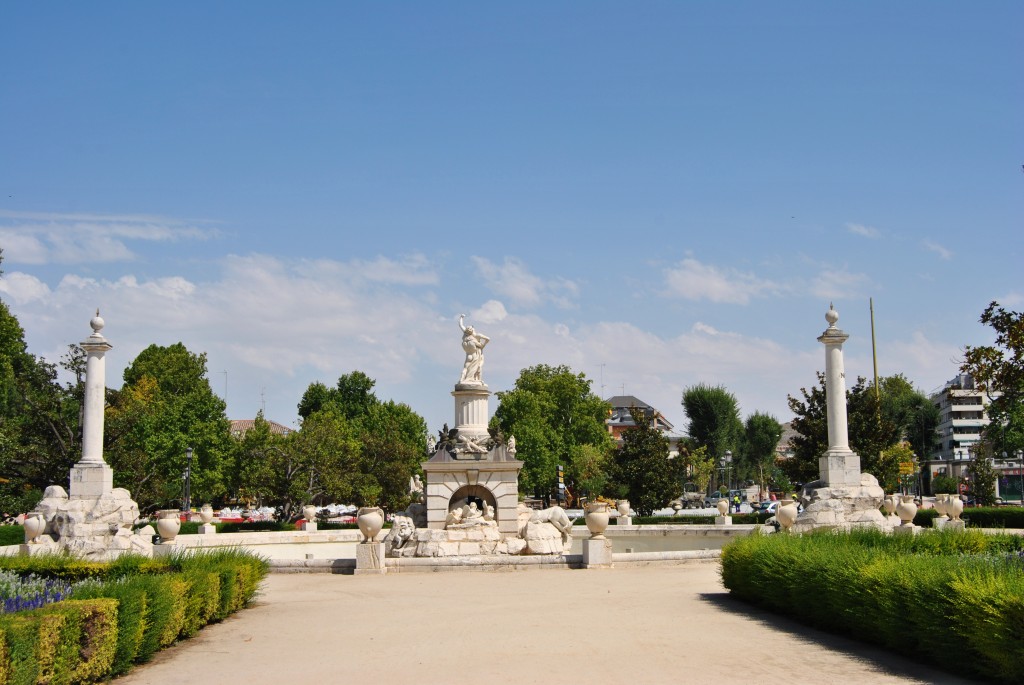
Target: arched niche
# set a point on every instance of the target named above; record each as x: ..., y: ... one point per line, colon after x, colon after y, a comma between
x: 463, y: 495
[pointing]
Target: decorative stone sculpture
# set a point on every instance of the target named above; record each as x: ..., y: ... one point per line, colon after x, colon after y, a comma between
x: 723, y: 507
x: 416, y: 488
x: 206, y: 513
x: 512, y: 445
x: 622, y: 507
x: 309, y: 513
x: 889, y: 504
x: 786, y: 513
x: 906, y: 510
x: 473, y: 344
x: 597, y: 519
x: 168, y: 523
x: 34, y: 526
x: 370, y: 521
x: 956, y: 507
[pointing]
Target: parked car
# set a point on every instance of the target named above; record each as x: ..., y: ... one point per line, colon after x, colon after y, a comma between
x: 712, y: 499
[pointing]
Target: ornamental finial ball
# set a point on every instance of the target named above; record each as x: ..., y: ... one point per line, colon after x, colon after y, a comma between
x: 97, y: 323
x: 831, y: 316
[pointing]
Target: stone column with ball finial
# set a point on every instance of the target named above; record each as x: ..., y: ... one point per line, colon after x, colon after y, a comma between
x: 91, y: 477
x: 839, y: 465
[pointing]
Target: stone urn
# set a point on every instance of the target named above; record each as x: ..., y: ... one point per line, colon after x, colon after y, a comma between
x: 597, y: 519
x: 309, y: 513
x: 34, y: 526
x: 786, y: 513
x: 370, y: 520
x: 906, y: 510
x: 168, y: 523
x: 889, y: 504
x: 206, y: 513
x: 622, y: 506
x: 723, y: 507
x: 942, y: 505
x: 955, y: 507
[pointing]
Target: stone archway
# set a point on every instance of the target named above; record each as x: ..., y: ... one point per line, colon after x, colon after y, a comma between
x: 468, y: 493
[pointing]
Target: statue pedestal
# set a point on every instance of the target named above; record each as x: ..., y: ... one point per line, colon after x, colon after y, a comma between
x: 91, y: 481
x: 624, y: 521
x: 308, y: 526
x: 907, y: 529
x: 955, y: 525
x: 370, y: 558
x: 597, y: 553
x: 471, y: 409
x: 723, y: 520
x: 207, y: 529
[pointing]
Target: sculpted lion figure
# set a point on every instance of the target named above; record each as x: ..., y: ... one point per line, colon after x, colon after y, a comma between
x: 402, y: 530
x: 557, y: 517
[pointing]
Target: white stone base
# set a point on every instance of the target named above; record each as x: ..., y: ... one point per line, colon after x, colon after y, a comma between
x: 164, y: 549
x: 597, y: 553
x: 955, y: 525
x: 207, y: 529
x: 370, y: 558
x: 940, y: 522
x: 907, y: 529
x: 842, y: 507
x: 91, y: 480
x: 624, y: 521
x: 309, y: 526
x: 723, y: 520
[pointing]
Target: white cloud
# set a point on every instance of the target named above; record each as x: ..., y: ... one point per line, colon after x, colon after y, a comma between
x: 23, y: 288
x: 1011, y: 300
x: 491, y: 311
x: 839, y: 283
x: 513, y: 280
x: 943, y: 252
x: 693, y: 280
x: 862, y: 230
x: 45, y: 238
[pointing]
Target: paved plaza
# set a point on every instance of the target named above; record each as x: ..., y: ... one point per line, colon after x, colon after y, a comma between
x: 669, y: 624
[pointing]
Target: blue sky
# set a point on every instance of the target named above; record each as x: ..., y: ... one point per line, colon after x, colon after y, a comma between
x: 654, y: 194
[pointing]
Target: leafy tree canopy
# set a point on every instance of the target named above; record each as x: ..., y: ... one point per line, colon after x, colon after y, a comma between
x: 553, y: 415
x: 642, y: 469
x: 761, y: 437
x: 999, y: 368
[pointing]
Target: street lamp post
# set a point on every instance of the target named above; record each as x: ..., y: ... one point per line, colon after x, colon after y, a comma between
x: 187, y: 500
x: 727, y: 463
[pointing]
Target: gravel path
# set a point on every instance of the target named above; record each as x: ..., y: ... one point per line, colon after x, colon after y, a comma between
x: 669, y: 624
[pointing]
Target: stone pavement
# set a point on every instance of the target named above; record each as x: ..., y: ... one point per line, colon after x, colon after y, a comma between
x: 666, y: 624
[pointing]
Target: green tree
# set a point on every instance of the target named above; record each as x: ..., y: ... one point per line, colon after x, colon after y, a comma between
x: 320, y: 464
x: 699, y: 466
x: 165, y: 406
x: 872, y: 429
x: 761, y: 437
x: 998, y: 370
x: 391, y: 437
x: 911, y: 412
x: 714, y: 419
x: 553, y: 414
x: 981, y: 475
x: 39, y: 418
x: 642, y: 468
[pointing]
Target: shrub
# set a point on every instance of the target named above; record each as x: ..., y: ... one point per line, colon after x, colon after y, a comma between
x: 202, y: 600
x: 132, y: 613
x: 88, y: 640
x: 57, y: 565
x: 954, y: 598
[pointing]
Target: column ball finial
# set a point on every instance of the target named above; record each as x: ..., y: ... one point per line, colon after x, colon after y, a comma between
x: 97, y: 323
x: 832, y: 316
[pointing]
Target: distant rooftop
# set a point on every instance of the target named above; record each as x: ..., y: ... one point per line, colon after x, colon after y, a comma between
x: 240, y: 428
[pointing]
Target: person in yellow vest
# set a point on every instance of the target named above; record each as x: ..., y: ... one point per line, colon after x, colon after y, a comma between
x: 736, y: 502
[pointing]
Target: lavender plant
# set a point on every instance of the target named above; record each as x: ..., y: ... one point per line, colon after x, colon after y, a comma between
x: 30, y: 592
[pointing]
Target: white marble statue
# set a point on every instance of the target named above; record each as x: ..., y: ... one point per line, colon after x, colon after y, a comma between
x: 416, y: 488
x: 511, y: 444
x: 473, y: 344
x: 431, y: 444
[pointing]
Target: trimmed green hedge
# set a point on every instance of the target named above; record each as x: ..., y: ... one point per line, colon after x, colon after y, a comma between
x: 955, y: 599
x: 120, y: 613
x: 698, y: 520
x: 12, y: 535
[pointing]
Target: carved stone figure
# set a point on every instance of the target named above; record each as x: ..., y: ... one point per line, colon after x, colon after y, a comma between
x: 454, y: 517
x: 488, y: 512
x: 416, y: 488
x: 402, y: 530
x: 431, y: 444
x: 473, y: 344
x: 468, y: 444
x: 511, y: 444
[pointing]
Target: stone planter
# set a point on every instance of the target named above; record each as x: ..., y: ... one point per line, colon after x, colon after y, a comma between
x: 168, y: 524
x: 206, y: 513
x: 955, y: 507
x: 786, y: 513
x: 597, y: 519
x: 906, y: 510
x: 723, y: 507
x: 370, y: 520
x: 942, y: 505
x: 309, y: 513
x: 622, y: 506
x: 889, y: 504
x: 34, y: 526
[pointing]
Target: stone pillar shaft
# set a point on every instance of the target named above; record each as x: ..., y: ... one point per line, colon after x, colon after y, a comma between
x: 835, y: 394
x: 95, y: 402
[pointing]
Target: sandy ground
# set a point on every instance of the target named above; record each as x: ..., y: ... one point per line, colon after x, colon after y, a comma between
x: 671, y: 624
